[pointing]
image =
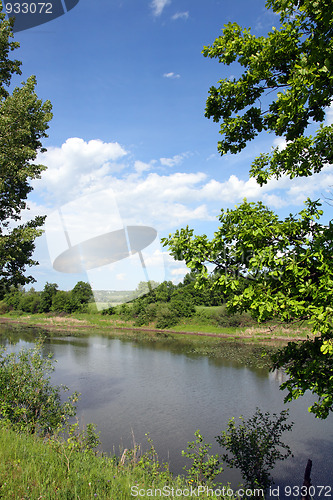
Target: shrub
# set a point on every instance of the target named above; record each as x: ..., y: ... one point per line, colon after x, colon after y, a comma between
x: 125, y: 311
x: 147, y: 315
x: 4, y: 307
x: 205, y: 467
x: 184, y: 308
x: 28, y: 400
x: 46, y: 297
x: 61, y: 302
x: 109, y: 311
x: 165, y: 317
x: 30, y: 302
x: 13, y: 298
x: 255, y: 446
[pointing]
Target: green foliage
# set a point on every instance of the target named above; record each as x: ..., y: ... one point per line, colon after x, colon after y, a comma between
x: 166, y: 317
x: 64, y: 302
x: 46, y: 297
x: 82, y: 292
x: 34, y: 468
x: 70, y: 440
x: 255, y: 446
x: 205, y: 467
x: 109, y: 311
x: 23, y: 123
x: 28, y: 400
x: 286, y: 84
x: 13, y: 297
x: 277, y: 270
x: 30, y: 302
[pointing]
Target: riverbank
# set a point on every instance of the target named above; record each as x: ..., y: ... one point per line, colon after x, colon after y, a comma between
x: 87, y: 323
x: 34, y: 468
x: 247, y: 345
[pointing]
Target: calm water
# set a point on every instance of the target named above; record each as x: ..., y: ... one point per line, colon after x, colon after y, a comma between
x: 131, y: 389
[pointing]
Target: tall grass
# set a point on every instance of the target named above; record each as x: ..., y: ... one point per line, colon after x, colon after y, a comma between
x: 33, y: 468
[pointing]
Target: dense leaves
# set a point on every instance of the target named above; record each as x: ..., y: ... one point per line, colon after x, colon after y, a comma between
x: 23, y: 123
x: 275, y: 269
x: 285, y: 86
x: 255, y: 446
x: 28, y: 400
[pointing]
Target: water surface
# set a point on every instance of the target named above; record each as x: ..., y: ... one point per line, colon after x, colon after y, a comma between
x: 130, y: 389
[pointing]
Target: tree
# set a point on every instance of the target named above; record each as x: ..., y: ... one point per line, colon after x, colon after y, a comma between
x: 23, y: 123
x: 276, y: 268
x: 82, y: 293
x: 46, y: 296
x: 286, y: 85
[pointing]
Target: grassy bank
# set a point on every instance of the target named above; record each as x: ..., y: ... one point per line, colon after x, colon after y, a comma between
x: 208, y: 321
x: 32, y: 468
x: 245, y: 343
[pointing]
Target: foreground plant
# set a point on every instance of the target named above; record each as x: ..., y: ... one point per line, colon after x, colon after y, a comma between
x: 205, y: 467
x: 255, y: 446
x: 28, y: 400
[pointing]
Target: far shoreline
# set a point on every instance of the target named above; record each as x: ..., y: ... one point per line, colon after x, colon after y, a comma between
x: 72, y: 323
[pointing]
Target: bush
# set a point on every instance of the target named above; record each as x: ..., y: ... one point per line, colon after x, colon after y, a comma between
x: 183, y: 308
x: 109, y: 311
x: 61, y: 302
x: 255, y: 446
x: 147, y: 315
x: 47, y: 295
x: 205, y: 467
x: 28, y: 400
x: 4, y: 307
x: 13, y: 298
x: 165, y: 317
x: 30, y: 302
x: 125, y: 312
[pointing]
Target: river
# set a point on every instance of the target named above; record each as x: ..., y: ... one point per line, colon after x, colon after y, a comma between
x: 129, y: 389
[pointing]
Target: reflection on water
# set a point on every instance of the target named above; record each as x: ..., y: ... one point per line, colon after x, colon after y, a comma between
x: 134, y: 388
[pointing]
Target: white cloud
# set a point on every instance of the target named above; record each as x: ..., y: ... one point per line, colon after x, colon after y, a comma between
x: 158, y: 6
x: 171, y: 75
x: 76, y: 166
x: 141, y: 166
x: 146, y: 197
x: 180, y: 271
x: 180, y: 15
x: 280, y: 142
x: 175, y: 160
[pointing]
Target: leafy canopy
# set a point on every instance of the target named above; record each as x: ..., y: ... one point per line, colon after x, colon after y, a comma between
x: 23, y: 124
x: 286, y: 84
x: 276, y: 269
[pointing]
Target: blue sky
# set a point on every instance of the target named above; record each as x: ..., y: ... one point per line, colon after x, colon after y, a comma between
x: 128, y: 85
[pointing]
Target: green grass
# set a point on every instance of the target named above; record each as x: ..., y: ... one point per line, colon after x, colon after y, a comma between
x: 207, y: 320
x: 31, y: 468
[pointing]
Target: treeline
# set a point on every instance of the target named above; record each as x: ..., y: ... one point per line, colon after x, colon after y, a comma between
x: 167, y: 304
x: 159, y: 305
x: 50, y: 299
